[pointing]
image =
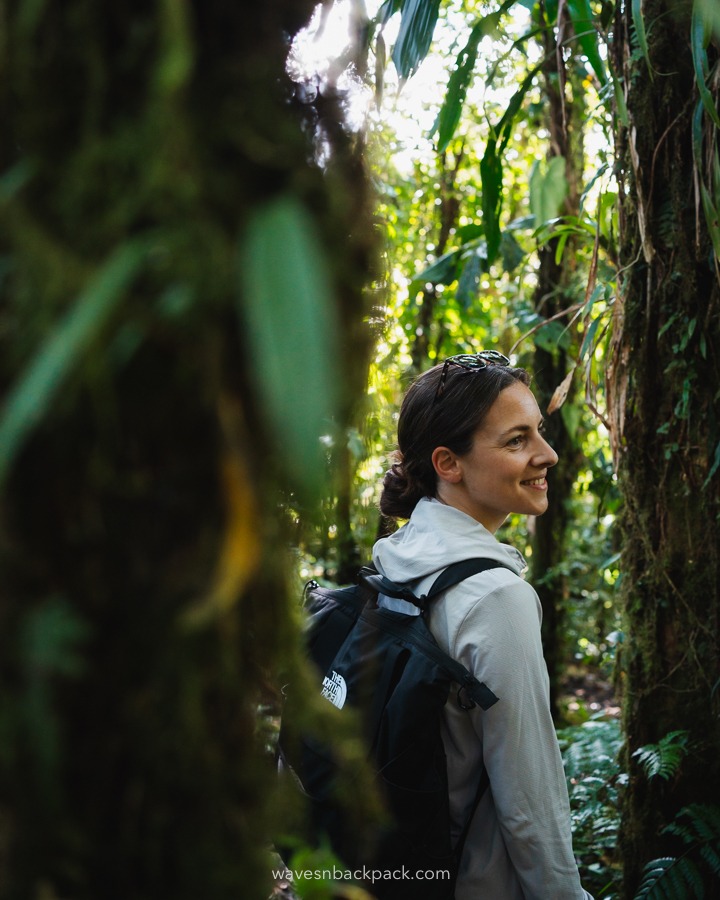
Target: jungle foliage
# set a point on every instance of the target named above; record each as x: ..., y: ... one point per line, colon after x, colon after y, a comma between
x: 617, y: 294
x: 214, y: 290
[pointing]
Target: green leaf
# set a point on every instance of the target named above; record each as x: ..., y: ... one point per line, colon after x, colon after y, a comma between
x: 620, y: 104
x: 709, y: 11
x: 583, y: 22
x: 699, y: 36
x: 469, y: 280
x: 712, y: 218
x: 175, y: 53
x: 460, y: 77
x: 417, y: 24
x: 588, y: 343
x: 491, y: 176
x: 30, y: 14
x: 491, y: 170
x: 15, y: 179
x: 31, y: 397
x: 548, y: 190
x: 511, y: 252
x: 442, y: 271
x: 50, y: 639
x: 388, y: 10
x: 291, y: 333
x: 713, y: 469
x: 471, y: 232
x: 572, y: 417
x: 551, y: 336
x: 639, y: 24
x: 504, y: 127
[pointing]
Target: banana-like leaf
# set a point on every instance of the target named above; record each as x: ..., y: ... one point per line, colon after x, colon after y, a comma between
x: 31, y: 397
x: 417, y: 24
x: 291, y: 333
x: 583, y: 22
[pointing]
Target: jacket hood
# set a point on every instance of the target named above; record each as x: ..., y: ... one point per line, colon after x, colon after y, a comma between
x: 436, y: 536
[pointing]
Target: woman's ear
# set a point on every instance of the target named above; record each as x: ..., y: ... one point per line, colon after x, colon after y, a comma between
x: 446, y: 465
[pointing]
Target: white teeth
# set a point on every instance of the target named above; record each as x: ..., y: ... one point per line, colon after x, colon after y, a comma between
x: 535, y: 481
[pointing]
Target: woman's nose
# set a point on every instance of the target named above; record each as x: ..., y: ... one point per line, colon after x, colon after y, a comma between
x: 547, y: 456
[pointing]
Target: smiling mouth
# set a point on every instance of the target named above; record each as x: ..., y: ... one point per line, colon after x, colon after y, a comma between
x: 535, y: 482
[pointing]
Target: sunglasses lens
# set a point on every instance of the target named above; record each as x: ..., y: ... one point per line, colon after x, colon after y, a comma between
x: 470, y: 362
x: 494, y: 358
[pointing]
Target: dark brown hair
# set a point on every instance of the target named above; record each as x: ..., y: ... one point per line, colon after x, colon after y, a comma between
x: 450, y: 421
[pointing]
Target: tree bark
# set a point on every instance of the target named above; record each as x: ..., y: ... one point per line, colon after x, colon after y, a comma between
x: 144, y: 604
x: 662, y: 379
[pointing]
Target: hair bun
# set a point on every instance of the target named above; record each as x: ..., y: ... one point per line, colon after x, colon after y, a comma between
x: 398, y: 498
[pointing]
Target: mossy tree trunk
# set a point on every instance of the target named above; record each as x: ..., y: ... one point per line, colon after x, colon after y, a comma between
x: 144, y: 605
x: 663, y: 381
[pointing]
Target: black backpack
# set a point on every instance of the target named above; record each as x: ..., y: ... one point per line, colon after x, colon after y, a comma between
x: 388, y: 667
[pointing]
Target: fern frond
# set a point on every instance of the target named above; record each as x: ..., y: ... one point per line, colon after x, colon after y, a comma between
x: 652, y: 873
x: 697, y: 823
x: 662, y: 760
x: 669, y: 878
x: 698, y: 826
x: 691, y: 878
x: 712, y: 857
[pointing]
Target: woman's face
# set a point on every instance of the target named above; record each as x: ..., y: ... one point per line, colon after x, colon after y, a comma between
x: 505, y: 470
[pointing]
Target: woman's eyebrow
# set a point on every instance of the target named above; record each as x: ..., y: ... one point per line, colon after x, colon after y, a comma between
x: 523, y: 428
x: 515, y: 428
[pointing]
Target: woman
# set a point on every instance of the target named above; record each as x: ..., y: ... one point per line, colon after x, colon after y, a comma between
x: 472, y: 451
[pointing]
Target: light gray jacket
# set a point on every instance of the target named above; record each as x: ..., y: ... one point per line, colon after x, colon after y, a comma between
x: 519, y: 843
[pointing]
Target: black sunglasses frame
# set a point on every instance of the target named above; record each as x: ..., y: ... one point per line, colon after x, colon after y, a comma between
x: 470, y: 362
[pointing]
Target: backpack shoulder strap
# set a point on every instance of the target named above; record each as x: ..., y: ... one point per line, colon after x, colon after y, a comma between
x: 452, y: 575
x: 459, y: 571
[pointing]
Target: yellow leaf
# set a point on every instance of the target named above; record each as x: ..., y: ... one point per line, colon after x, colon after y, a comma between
x: 240, y: 552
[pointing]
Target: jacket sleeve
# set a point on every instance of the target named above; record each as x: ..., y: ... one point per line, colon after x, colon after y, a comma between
x: 499, y: 640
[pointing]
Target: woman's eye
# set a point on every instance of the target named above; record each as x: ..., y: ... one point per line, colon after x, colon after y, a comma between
x: 516, y: 441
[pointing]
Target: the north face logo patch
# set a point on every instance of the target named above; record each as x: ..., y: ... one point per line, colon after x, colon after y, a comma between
x: 334, y: 689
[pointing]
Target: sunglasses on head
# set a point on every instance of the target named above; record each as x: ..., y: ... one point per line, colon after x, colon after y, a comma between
x: 470, y: 362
